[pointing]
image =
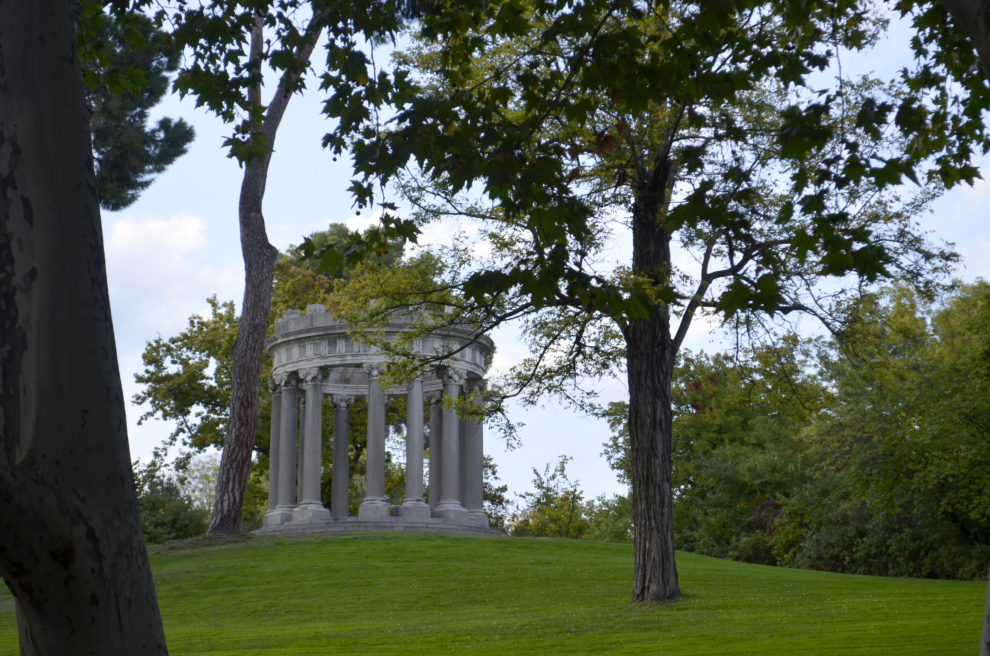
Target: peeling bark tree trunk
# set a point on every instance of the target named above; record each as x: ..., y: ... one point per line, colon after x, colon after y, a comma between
x: 71, y: 548
x: 260, y: 258
x: 650, y: 365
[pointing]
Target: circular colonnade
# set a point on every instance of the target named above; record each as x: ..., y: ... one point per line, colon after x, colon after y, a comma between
x: 315, y: 357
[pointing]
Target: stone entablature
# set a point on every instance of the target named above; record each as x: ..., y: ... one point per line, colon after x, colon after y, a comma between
x: 314, y: 356
x: 318, y: 339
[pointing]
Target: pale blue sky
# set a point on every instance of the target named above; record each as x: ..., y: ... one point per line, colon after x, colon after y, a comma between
x: 179, y: 244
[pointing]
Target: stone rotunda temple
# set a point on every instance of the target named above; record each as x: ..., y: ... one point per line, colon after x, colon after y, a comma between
x: 314, y: 357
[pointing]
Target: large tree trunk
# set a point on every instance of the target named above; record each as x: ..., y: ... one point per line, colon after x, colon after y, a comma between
x: 973, y: 18
x: 71, y: 548
x: 260, y: 258
x: 650, y: 365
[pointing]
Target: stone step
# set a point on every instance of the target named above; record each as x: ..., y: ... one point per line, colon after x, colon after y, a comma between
x: 393, y: 524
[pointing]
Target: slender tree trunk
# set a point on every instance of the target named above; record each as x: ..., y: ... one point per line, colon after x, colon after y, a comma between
x: 71, y: 548
x: 650, y: 365
x: 260, y: 258
x: 259, y: 271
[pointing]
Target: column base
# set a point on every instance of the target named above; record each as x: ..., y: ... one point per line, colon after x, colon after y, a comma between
x: 453, y: 511
x: 310, y: 512
x: 478, y: 517
x: 372, y: 508
x: 413, y: 509
x: 280, y: 515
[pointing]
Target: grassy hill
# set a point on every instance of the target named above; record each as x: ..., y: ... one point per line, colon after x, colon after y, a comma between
x: 401, y: 594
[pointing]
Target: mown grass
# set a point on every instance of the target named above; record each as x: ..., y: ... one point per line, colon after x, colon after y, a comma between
x: 410, y: 594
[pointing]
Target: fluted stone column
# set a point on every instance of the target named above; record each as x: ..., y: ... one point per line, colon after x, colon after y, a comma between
x: 375, y: 504
x: 286, y: 499
x: 300, y: 433
x: 436, y: 447
x: 450, y: 506
x: 341, y: 455
x: 462, y: 432
x: 273, y: 452
x: 474, y: 461
x: 311, y: 454
x: 413, y: 504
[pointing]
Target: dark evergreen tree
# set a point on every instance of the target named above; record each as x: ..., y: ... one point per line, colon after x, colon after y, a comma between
x: 128, y: 151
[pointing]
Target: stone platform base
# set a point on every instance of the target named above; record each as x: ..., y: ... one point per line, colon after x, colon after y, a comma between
x: 384, y: 524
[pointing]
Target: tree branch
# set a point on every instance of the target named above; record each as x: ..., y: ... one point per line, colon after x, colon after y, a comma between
x: 695, y: 301
x: 280, y: 101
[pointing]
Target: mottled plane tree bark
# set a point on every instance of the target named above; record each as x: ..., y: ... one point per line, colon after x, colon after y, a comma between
x: 71, y: 548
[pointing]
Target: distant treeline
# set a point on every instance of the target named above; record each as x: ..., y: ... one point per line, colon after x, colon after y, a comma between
x: 867, y: 452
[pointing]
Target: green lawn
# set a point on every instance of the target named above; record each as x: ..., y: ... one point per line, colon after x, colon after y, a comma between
x: 403, y: 594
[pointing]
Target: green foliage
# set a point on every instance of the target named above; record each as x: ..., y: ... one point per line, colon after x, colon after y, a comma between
x: 186, y: 378
x: 338, y: 233
x: 897, y: 482
x: 166, y: 512
x: 616, y: 450
x: 553, y: 159
x: 864, y: 454
x: 556, y: 113
x: 231, y: 44
x: 555, y: 509
x: 496, y: 503
x: 609, y: 519
x: 128, y: 153
x: 737, y: 456
x: 200, y: 481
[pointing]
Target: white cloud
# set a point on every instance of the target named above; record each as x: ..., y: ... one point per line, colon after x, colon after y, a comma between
x: 134, y: 241
x: 160, y: 271
x: 363, y: 222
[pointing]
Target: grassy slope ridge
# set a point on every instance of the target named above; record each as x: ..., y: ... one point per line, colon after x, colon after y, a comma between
x: 373, y: 594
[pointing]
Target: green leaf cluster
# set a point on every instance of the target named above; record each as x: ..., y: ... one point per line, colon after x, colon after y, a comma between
x: 555, y: 509
x: 128, y: 153
x: 166, y: 512
x: 864, y: 453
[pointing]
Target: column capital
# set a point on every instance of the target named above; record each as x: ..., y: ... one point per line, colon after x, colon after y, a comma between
x: 311, y: 376
x: 434, y: 398
x: 454, y: 376
x: 477, y: 384
x: 375, y: 369
x: 289, y: 379
x: 272, y: 385
x: 341, y: 401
